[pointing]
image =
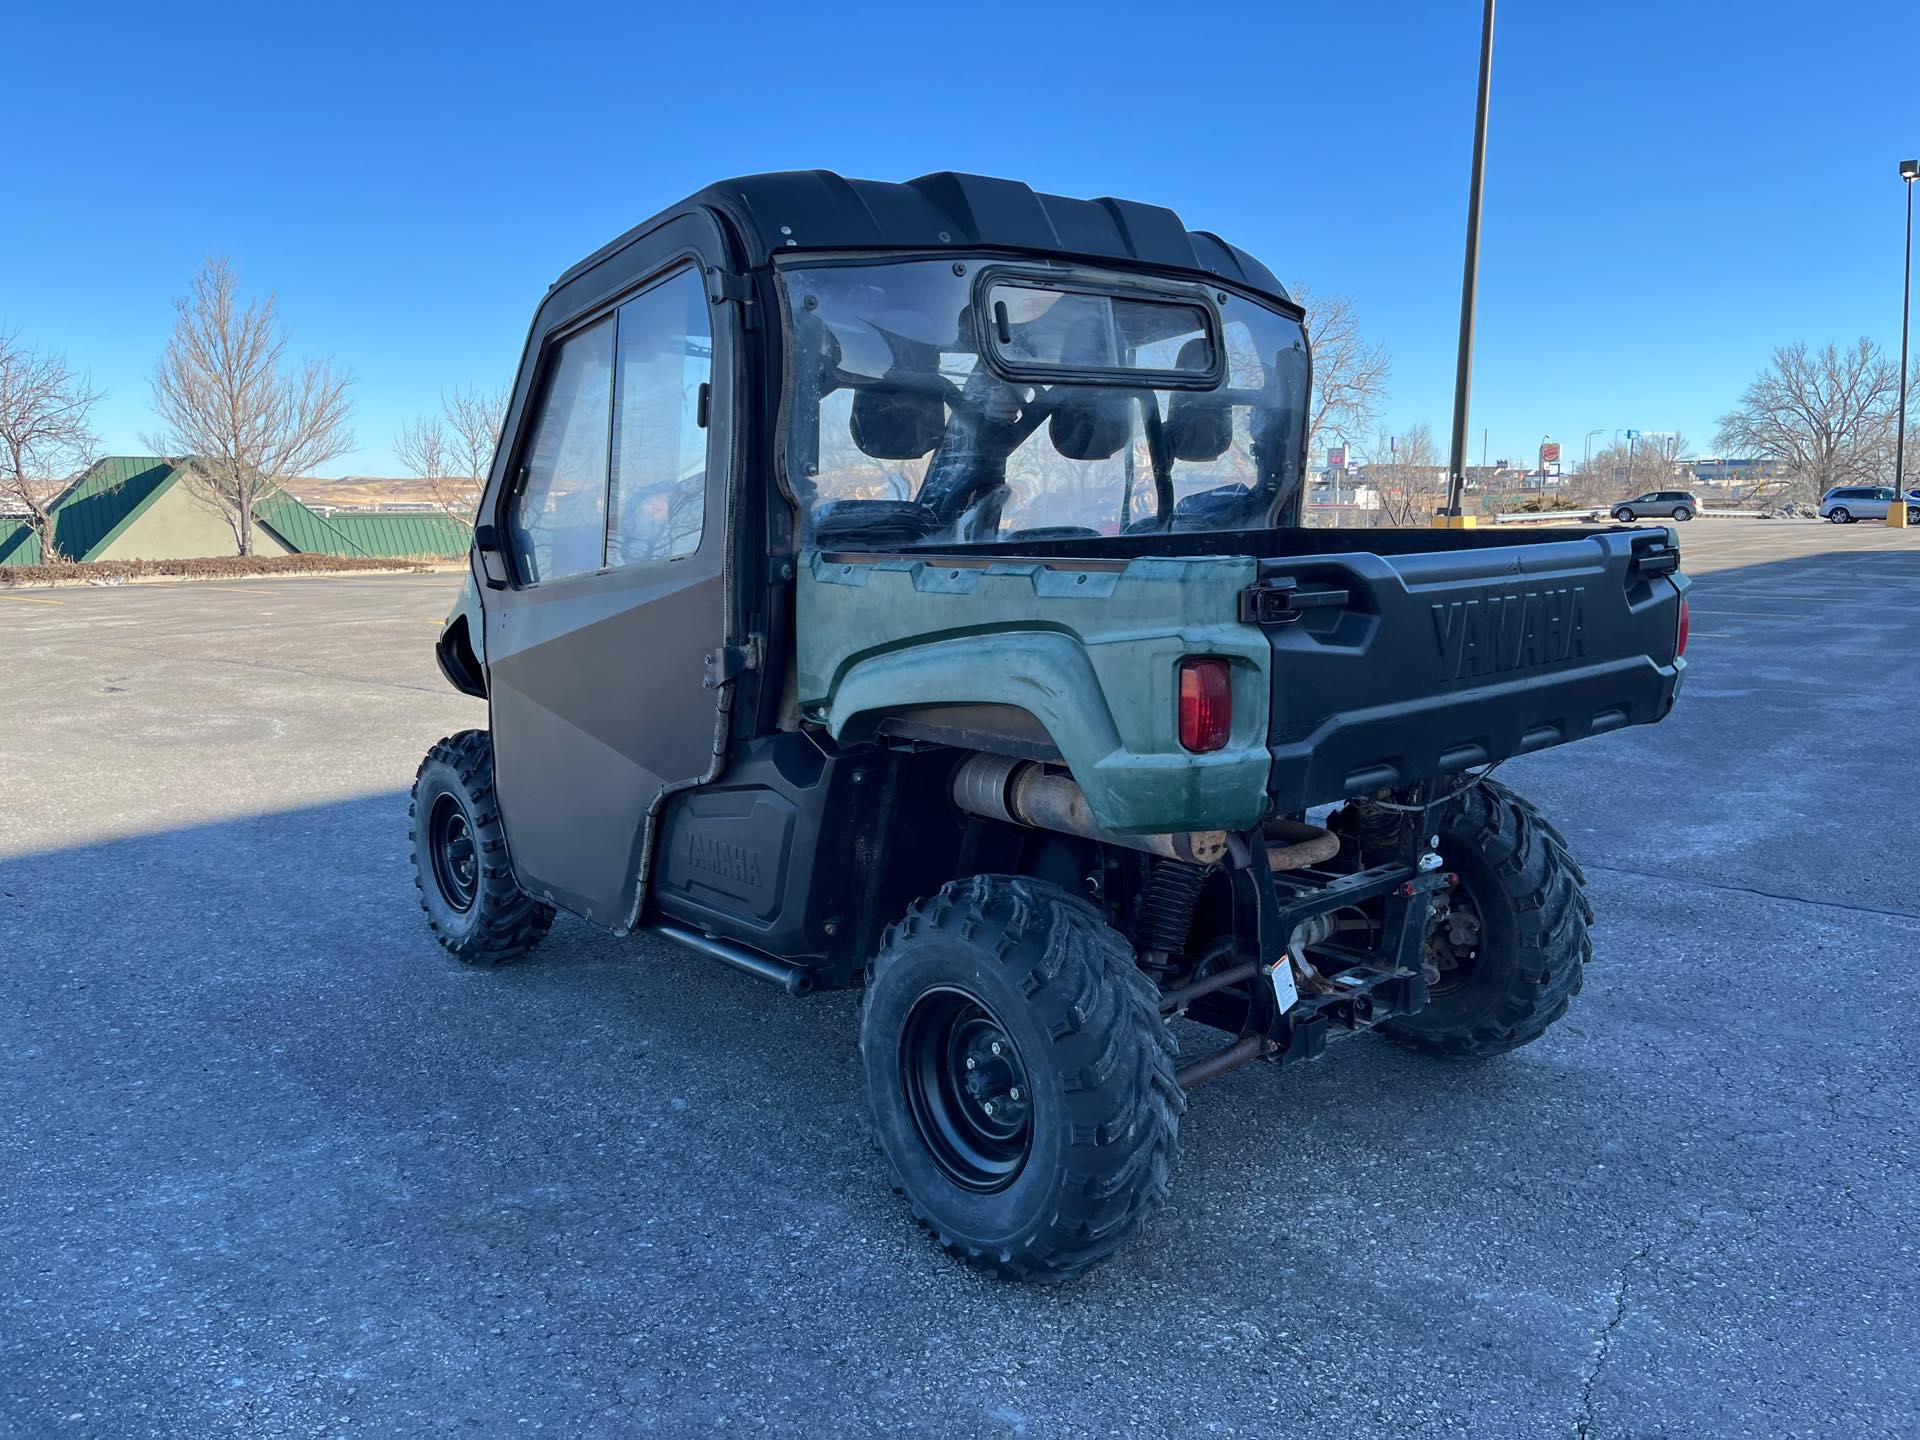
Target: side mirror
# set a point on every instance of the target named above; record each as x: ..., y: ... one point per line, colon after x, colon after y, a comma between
x: 493, y: 560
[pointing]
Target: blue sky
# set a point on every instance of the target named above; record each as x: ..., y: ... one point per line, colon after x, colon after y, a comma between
x: 1673, y: 188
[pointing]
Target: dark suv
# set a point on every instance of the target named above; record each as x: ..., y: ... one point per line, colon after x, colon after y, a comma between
x: 1678, y: 504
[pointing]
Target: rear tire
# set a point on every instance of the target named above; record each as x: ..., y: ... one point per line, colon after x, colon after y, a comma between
x: 1838, y: 515
x: 477, y: 910
x: 998, y: 985
x: 1682, y: 513
x: 1515, y: 931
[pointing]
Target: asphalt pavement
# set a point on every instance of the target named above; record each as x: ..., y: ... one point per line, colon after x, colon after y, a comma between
x: 270, y: 1163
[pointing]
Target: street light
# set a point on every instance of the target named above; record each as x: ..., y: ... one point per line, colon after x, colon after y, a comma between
x: 1463, y: 370
x: 1897, y: 511
x: 1590, y: 435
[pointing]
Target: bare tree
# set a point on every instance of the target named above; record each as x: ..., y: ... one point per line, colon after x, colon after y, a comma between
x: 1620, y: 471
x: 453, y: 451
x: 1826, y: 415
x: 46, y: 432
x: 421, y: 446
x: 1349, y: 373
x: 248, y: 423
x: 1406, y: 472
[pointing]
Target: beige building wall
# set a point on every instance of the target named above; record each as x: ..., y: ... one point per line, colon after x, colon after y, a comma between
x: 181, y: 526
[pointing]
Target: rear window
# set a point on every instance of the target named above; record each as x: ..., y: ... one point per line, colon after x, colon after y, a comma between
x: 1040, y: 331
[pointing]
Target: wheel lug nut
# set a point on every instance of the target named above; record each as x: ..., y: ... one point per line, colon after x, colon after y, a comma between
x: 1014, y: 1094
x: 989, y: 1107
x: 972, y: 1063
x: 996, y: 1047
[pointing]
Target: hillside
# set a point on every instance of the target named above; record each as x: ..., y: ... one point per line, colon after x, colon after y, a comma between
x: 362, y: 491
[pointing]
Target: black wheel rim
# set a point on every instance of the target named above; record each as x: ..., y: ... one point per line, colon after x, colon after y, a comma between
x: 456, y: 860
x: 967, y: 1090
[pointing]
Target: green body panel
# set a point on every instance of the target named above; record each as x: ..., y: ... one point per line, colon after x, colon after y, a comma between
x: 1091, y: 653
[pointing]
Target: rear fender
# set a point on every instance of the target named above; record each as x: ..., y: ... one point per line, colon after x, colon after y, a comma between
x: 1091, y: 651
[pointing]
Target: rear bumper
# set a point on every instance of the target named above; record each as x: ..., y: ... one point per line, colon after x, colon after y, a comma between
x: 1413, y: 667
x: 1360, y: 752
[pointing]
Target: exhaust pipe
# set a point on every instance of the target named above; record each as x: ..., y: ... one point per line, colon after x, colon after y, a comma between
x: 1024, y: 792
x: 1292, y: 844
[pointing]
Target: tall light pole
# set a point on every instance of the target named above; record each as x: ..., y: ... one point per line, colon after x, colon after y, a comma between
x: 1463, y: 372
x: 1590, y: 435
x: 1897, y: 511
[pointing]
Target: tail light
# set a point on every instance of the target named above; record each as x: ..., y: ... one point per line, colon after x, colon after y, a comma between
x: 1206, y: 704
x: 1686, y: 624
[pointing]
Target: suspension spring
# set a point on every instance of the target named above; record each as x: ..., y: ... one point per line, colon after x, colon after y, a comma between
x: 1167, y: 904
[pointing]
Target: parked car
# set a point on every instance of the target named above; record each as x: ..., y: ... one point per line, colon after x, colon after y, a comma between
x: 1678, y: 504
x: 1846, y: 503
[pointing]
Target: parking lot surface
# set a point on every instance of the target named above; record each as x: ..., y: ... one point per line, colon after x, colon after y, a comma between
x: 270, y: 1163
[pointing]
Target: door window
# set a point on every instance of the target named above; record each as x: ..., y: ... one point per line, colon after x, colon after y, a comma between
x: 658, y: 493
x: 558, y: 520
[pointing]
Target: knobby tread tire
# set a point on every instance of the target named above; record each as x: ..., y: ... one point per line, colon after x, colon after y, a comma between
x: 505, y: 922
x: 1533, y: 876
x: 1110, y: 1050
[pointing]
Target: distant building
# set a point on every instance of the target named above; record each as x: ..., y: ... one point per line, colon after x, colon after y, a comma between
x: 135, y: 507
x: 1716, y: 471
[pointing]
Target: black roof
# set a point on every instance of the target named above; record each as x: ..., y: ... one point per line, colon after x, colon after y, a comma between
x: 819, y: 210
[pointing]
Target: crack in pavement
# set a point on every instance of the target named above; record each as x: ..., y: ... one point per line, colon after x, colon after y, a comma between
x: 1673, y: 879
x: 1603, y: 1342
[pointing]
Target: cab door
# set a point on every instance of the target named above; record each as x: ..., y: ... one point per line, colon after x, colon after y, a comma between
x: 607, y: 580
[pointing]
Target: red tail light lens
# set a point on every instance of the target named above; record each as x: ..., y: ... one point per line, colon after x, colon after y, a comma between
x: 1206, y: 704
x: 1686, y: 624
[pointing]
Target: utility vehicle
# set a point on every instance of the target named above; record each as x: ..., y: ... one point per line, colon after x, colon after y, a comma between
x: 904, y: 586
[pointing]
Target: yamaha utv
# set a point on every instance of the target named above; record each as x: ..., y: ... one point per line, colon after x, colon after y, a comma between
x: 904, y: 586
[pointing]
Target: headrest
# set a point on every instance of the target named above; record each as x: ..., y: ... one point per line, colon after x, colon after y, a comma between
x: 897, y: 419
x: 1199, y: 422
x: 1090, y: 422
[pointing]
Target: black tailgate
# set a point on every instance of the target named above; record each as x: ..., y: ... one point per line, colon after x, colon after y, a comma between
x: 1391, y: 668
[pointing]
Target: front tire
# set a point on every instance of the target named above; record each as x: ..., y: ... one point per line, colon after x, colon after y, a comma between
x: 476, y: 908
x: 1623, y: 515
x: 1510, y: 943
x: 1019, y: 1077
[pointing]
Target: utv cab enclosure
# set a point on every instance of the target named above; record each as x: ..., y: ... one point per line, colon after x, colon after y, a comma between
x: 904, y: 586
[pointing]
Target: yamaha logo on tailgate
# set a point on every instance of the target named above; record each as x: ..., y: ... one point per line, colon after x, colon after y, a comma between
x: 1518, y: 631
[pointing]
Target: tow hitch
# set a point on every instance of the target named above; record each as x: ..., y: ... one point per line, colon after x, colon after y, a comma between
x: 1290, y: 1006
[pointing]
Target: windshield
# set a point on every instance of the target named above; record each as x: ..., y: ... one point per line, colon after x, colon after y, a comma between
x: 1102, y: 405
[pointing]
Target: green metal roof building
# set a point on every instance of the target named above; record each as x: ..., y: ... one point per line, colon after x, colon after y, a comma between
x: 134, y: 507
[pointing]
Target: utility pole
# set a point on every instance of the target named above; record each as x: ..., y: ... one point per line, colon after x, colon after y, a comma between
x: 1463, y: 372
x: 1897, y: 511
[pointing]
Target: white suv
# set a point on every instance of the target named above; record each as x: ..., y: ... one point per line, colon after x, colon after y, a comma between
x: 1846, y: 503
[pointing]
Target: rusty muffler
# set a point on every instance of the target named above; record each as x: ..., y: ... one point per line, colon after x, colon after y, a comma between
x: 1024, y: 792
